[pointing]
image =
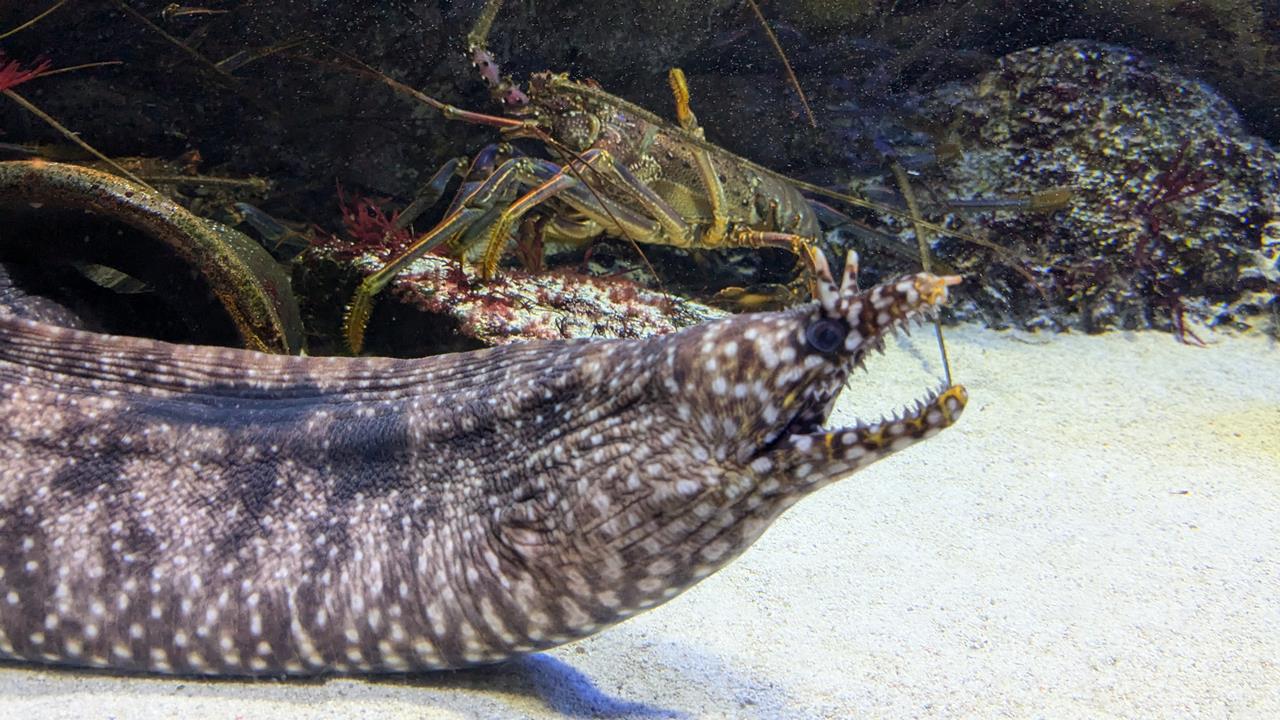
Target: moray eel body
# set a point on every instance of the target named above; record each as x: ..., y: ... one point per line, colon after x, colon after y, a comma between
x: 211, y: 511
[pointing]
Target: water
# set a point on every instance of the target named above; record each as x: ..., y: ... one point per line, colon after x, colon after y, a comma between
x: 1095, y: 536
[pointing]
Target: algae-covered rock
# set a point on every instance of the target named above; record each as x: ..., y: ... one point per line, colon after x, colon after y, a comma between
x: 441, y: 304
x: 1176, y: 205
x: 1232, y: 44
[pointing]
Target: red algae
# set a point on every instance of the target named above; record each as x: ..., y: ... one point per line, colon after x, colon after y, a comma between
x: 12, y: 74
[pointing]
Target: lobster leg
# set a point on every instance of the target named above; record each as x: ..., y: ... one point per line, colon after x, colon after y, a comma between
x: 429, y: 193
x: 716, y: 233
x: 567, y: 184
x: 475, y: 213
x: 671, y: 228
x: 805, y: 285
x: 676, y: 232
x: 660, y: 223
x: 555, y: 181
x: 502, y: 184
x: 481, y: 169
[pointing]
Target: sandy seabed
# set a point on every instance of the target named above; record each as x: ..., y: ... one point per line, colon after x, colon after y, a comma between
x: 1099, y: 536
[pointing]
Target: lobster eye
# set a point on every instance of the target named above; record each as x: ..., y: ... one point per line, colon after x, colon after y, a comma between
x: 825, y: 335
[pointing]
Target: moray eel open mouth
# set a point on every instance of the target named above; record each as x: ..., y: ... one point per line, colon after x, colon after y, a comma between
x: 834, y: 340
x: 814, y: 417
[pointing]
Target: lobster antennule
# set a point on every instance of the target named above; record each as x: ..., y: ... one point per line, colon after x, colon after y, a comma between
x: 502, y: 88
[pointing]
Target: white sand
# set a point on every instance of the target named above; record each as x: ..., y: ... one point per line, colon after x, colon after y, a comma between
x: 1098, y: 537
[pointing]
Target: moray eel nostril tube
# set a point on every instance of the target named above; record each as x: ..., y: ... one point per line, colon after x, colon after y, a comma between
x: 210, y: 511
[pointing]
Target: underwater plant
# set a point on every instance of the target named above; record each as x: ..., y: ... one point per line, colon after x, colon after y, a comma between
x: 1174, y: 196
x: 12, y: 74
x: 1155, y: 261
x: 369, y: 227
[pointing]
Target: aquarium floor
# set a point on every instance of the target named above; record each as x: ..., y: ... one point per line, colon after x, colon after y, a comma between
x: 1099, y: 536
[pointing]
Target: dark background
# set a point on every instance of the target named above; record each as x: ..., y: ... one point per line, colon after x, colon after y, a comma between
x: 305, y: 126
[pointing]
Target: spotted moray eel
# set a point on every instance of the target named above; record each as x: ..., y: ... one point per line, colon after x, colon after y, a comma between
x: 210, y: 511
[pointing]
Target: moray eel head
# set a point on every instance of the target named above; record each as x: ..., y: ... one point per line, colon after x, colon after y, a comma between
x: 733, y: 434
x: 760, y: 388
x: 692, y: 444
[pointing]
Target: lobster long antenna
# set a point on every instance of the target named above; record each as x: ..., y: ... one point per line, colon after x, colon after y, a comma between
x: 73, y: 137
x: 1010, y: 257
x: 209, y: 67
x: 81, y: 66
x: 926, y: 263
x: 479, y: 35
x: 33, y: 20
x: 786, y: 64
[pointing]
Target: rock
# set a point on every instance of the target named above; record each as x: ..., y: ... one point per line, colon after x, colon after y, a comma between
x: 441, y: 305
x: 1176, y: 211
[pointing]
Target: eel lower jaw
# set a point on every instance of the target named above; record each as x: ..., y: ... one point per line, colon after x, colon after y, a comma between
x: 819, y: 453
x: 937, y: 410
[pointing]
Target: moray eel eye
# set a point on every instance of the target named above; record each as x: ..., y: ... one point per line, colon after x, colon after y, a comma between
x: 825, y: 335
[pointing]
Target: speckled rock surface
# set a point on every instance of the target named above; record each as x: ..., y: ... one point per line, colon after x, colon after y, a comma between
x: 1176, y: 212
x: 440, y: 304
x: 523, y: 306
